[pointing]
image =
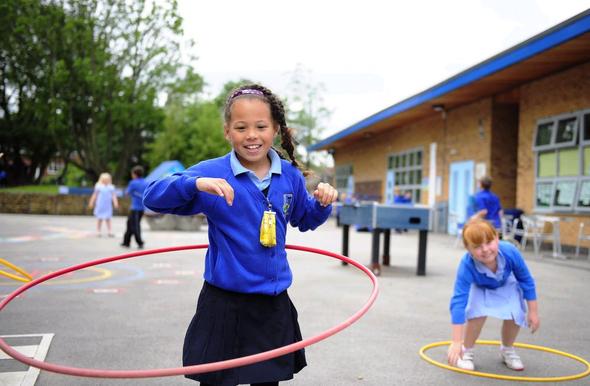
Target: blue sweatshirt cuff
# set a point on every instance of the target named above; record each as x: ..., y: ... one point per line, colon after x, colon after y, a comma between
x: 190, y: 187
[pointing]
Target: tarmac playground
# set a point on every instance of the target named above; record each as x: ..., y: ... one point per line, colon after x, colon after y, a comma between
x: 133, y: 314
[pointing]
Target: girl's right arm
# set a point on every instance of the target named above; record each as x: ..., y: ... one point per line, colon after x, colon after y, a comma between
x: 216, y: 186
x: 455, y: 351
x: 92, y: 199
x: 180, y: 193
x: 457, y: 307
x: 177, y: 194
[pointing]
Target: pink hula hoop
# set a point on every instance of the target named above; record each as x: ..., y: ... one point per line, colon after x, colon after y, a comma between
x: 202, y: 368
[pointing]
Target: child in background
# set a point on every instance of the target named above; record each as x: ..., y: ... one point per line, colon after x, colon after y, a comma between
x: 492, y: 280
x: 135, y: 190
x: 249, y: 196
x: 103, y: 199
x: 487, y: 204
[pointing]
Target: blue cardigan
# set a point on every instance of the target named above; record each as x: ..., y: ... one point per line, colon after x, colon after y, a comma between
x: 468, y: 274
x: 235, y: 260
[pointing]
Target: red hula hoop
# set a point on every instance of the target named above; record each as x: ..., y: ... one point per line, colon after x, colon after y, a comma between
x: 195, y: 369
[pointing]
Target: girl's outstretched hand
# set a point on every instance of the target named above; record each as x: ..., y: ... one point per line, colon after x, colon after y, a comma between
x: 325, y: 194
x: 454, y: 353
x: 216, y: 186
x: 534, y: 322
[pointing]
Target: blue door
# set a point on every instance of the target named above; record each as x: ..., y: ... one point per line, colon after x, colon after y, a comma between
x: 461, y: 186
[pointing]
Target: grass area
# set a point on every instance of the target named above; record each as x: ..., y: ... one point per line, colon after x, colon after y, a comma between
x: 46, y: 189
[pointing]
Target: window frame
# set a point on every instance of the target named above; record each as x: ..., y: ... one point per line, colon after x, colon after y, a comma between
x: 579, y: 191
x: 416, y: 186
x: 339, y: 176
x: 554, y: 120
x: 581, y: 123
x: 577, y: 143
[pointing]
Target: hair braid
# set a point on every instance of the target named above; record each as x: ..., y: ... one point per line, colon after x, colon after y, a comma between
x: 278, y: 115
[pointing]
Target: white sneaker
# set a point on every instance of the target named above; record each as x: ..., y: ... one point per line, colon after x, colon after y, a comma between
x: 466, y: 363
x: 511, y: 359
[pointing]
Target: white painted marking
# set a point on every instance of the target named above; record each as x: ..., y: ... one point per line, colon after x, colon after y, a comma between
x: 29, y: 377
x: 161, y: 265
x: 185, y: 273
x: 105, y: 290
x: 167, y: 281
x: 14, y: 378
x: 45, y: 259
x: 28, y: 351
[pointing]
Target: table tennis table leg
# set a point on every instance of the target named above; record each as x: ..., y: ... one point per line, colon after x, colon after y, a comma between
x: 422, y: 241
x: 345, y: 234
x: 375, y: 266
x: 386, y: 240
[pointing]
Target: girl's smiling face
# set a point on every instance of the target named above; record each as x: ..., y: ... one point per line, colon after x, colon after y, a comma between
x: 251, y: 132
x: 485, y: 252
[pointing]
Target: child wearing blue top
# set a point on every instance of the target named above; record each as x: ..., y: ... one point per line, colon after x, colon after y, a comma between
x: 249, y: 196
x: 487, y: 204
x: 135, y: 190
x: 492, y: 280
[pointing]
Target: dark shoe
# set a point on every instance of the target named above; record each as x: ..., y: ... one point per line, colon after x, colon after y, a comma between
x: 124, y: 245
x: 140, y: 246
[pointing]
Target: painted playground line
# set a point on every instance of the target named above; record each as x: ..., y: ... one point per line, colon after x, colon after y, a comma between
x: 49, y: 233
x: 22, y: 343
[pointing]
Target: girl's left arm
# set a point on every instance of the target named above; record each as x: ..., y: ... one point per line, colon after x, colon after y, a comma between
x: 521, y: 271
x: 527, y: 284
x: 325, y: 194
x: 309, y: 212
x: 533, y: 315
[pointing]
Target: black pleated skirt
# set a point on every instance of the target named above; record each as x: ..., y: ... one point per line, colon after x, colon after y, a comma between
x: 230, y: 325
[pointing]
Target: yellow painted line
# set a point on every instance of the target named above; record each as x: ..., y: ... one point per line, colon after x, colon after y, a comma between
x: 103, y: 274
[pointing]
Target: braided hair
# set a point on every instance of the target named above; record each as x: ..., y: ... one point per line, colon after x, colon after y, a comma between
x: 277, y: 111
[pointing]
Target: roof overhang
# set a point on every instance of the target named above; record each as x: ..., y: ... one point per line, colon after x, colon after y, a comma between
x: 554, y: 50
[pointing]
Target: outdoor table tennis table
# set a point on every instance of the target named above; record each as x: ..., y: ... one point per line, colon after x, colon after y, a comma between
x: 380, y: 219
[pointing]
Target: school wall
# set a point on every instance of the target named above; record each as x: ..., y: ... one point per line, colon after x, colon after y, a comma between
x: 468, y: 138
x: 60, y: 204
x: 369, y: 157
x: 504, y: 152
x: 556, y: 94
x: 466, y: 135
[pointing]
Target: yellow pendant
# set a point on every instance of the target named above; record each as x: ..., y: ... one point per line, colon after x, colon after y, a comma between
x: 268, y: 232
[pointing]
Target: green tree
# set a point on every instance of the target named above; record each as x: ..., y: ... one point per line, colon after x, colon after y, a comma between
x: 113, y: 95
x: 82, y: 79
x: 305, y: 111
x: 193, y: 128
x: 28, y: 126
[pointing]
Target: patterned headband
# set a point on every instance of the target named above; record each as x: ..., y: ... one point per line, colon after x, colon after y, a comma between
x: 246, y: 91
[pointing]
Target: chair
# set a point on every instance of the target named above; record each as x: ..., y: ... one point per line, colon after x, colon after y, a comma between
x: 582, y: 237
x: 534, y: 229
x: 506, y: 227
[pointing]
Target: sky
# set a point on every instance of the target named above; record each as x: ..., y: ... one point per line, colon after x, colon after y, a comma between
x: 369, y: 54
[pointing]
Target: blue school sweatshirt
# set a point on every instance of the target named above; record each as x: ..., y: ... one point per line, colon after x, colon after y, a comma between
x: 235, y: 260
x: 468, y: 274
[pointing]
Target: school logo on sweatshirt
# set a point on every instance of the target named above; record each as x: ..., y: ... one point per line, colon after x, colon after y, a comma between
x: 287, y: 201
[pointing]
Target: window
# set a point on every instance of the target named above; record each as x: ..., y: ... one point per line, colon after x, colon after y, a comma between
x: 584, y: 195
x: 342, y: 174
x: 407, y: 172
x: 562, y: 162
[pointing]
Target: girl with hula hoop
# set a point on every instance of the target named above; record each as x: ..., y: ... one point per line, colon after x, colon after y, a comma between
x: 249, y: 196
